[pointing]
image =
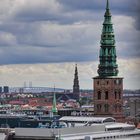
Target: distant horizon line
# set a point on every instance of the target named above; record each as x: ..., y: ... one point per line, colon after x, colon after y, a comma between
x: 57, y: 88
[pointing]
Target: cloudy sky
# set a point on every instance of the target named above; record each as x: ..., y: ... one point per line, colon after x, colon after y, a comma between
x: 41, y: 40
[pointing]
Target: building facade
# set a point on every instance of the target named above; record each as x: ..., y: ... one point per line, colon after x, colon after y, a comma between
x: 6, y: 89
x: 108, y: 86
x: 134, y: 104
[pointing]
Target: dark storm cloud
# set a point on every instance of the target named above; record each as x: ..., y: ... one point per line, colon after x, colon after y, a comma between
x: 33, y: 55
x: 137, y: 8
x: 64, y: 16
x: 118, y: 7
x: 28, y: 15
x: 72, y: 11
x: 68, y: 13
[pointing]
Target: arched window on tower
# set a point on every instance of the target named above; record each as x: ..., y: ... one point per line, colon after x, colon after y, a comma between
x: 107, y: 82
x: 106, y: 95
x: 106, y: 107
x: 99, y: 95
x: 119, y: 94
x: 99, y: 107
x: 115, y: 95
x: 115, y: 108
x: 120, y: 108
x: 120, y: 82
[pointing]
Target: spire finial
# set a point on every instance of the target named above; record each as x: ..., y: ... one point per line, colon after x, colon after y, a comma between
x: 107, y: 4
x: 107, y: 13
x: 75, y: 66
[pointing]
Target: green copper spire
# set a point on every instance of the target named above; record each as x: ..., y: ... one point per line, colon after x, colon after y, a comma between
x: 107, y: 66
x: 54, y: 108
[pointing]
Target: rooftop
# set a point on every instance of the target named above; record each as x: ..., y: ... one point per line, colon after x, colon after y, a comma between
x: 87, y: 119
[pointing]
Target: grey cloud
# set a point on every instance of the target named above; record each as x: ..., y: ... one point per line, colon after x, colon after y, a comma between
x: 67, y: 31
x: 118, y: 7
x: 61, y: 17
x: 94, y: 5
x: 128, y: 50
x: 49, y: 35
x: 68, y: 11
x: 7, y: 39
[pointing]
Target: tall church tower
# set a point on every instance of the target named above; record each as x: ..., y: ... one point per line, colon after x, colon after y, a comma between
x: 108, y: 87
x: 76, y: 90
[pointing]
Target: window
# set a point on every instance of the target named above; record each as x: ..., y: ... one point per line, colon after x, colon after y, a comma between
x: 106, y: 106
x: 115, y: 108
x: 117, y: 81
x: 98, y: 82
x: 99, y: 95
x: 120, y: 108
x: 115, y: 95
x: 119, y: 95
x: 106, y: 95
x: 99, y: 107
x: 120, y: 81
x: 107, y: 82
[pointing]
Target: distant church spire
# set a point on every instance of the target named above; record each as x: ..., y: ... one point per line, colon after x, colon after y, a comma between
x: 108, y: 65
x: 76, y: 89
x: 54, y: 108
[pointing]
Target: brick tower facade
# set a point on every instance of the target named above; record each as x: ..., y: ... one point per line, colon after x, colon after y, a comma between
x: 108, y: 87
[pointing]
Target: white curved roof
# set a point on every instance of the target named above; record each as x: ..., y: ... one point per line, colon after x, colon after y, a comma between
x: 87, y: 119
x: 119, y: 125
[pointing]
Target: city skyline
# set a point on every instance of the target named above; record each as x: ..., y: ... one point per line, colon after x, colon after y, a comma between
x: 41, y: 40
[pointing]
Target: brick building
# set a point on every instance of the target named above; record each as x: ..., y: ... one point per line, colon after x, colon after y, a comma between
x: 108, y: 86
